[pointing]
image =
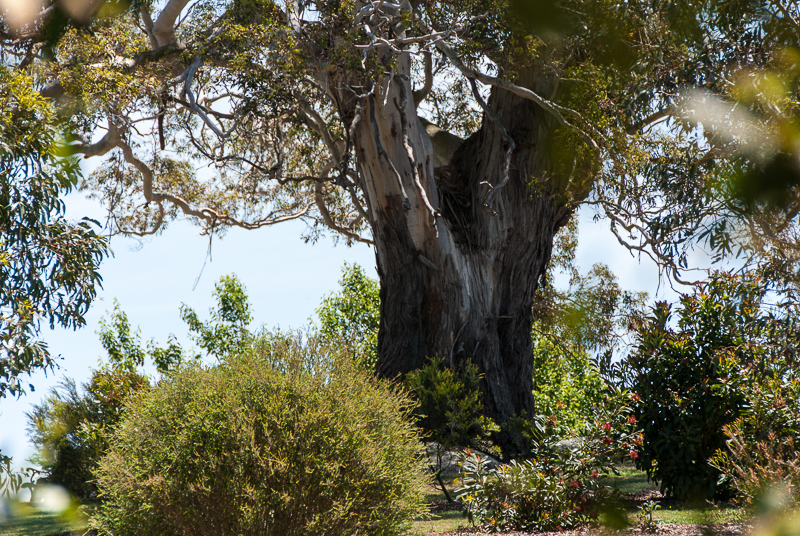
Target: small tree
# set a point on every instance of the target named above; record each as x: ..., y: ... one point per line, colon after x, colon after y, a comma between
x: 689, y: 379
x: 449, y: 409
x: 70, y: 428
x: 352, y: 314
x: 227, y: 333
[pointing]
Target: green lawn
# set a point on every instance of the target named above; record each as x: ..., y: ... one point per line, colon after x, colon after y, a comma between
x: 631, y: 481
x: 25, y: 520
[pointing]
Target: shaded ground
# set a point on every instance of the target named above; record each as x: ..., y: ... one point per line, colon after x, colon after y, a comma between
x: 675, y: 518
x: 669, y: 529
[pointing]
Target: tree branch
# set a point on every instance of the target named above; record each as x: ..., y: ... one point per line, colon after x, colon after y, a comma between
x: 554, y: 109
x: 164, y: 27
x: 420, y: 94
x: 187, y: 89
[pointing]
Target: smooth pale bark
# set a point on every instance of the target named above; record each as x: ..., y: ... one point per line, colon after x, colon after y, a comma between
x: 458, y: 282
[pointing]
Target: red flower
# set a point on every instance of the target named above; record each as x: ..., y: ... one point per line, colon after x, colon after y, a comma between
x: 633, y: 454
x: 606, y: 440
x: 631, y: 420
x: 574, y: 484
x: 607, y: 426
x: 595, y: 474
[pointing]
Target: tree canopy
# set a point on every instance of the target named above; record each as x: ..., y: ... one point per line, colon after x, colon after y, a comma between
x: 243, y: 89
x: 48, y: 265
x: 455, y: 137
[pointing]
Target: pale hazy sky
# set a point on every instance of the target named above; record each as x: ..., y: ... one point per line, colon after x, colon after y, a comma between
x: 285, y: 280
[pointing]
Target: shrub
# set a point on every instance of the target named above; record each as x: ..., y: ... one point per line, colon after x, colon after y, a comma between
x: 558, y: 487
x: 761, y: 455
x: 567, y: 386
x: 449, y: 405
x: 450, y: 411
x: 532, y: 495
x: 688, y: 383
x: 761, y: 471
x: 286, y: 441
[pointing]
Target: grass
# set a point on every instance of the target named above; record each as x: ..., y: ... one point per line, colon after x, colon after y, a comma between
x: 704, y: 515
x: 442, y: 521
x: 24, y: 520
x: 631, y: 481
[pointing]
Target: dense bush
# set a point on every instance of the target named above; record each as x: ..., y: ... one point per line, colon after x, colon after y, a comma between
x: 690, y: 381
x: 532, y: 495
x: 761, y: 458
x: 282, y: 442
x: 566, y: 386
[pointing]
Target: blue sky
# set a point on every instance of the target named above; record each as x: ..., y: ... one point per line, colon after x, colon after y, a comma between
x: 285, y: 278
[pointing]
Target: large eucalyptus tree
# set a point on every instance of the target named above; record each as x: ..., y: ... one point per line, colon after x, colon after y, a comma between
x: 456, y: 137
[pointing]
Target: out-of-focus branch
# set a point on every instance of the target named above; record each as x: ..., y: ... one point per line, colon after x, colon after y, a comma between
x: 164, y: 27
x: 649, y: 120
x: 148, y: 27
x: 420, y: 94
x: 101, y: 147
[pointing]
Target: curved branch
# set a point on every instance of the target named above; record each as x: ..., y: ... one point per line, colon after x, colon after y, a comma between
x: 319, y: 199
x: 101, y: 147
x: 554, y: 109
x: 212, y: 217
x: 420, y: 94
x: 164, y: 27
x: 187, y: 89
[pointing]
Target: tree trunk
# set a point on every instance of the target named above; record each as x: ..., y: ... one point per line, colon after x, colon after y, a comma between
x: 458, y: 276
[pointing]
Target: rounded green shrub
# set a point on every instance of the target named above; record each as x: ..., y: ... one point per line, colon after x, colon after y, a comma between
x: 267, y: 444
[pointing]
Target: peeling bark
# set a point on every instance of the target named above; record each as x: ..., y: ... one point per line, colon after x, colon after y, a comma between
x: 459, y: 281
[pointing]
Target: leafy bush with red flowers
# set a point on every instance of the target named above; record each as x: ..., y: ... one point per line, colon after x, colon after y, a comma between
x: 559, y: 486
x: 692, y: 378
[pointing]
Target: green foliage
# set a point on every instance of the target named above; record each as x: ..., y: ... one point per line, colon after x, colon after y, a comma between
x: 533, y: 495
x: 48, y: 265
x: 557, y: 487
x: 450, y: 409
x: 689, y: 380
x: 285, y: 441
x: 69, y: 429
x: 227, y: 333
x: 592, y: 315
x: 351, y: 315
x: 567, y: 385
x: 760, y: 458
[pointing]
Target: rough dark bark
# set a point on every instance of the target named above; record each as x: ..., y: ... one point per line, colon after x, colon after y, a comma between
x: 458, y: 281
